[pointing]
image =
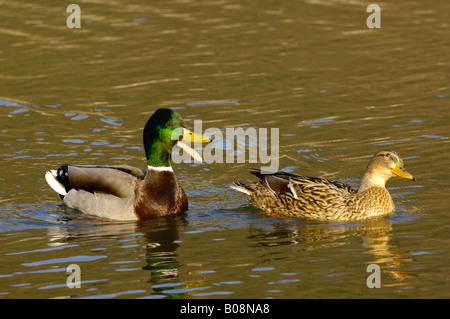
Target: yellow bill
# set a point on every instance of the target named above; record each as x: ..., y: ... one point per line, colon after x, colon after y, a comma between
x: 192, y: 137
x: 399, y: 171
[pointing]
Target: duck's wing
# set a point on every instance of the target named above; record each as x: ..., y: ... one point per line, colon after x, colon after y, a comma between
x: 277, y: 183
x: 299, y: 185
x: 323, y: 185
x: 119, y: 180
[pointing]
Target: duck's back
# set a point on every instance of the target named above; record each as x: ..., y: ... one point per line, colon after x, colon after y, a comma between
x: 104, y: 191
x: 317, y: 198
x: 297, y: 195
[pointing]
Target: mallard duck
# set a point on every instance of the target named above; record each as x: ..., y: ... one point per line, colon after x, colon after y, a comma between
x: 124, y: 192
x: 326, y: 200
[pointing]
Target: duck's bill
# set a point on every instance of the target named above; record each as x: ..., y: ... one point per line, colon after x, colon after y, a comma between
x: 192, y: 137
x: 399, y: 171
x: 193, y: 153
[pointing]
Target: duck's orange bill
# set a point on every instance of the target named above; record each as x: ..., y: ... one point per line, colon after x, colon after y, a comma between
x: 399, y: 171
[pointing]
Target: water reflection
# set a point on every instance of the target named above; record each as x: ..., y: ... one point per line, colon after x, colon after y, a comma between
x: 162, y: 243
x: 160, y: 254
x: 375, y: 235
x: 155, y: 242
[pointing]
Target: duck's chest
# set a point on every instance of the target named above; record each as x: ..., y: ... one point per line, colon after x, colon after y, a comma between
x: 375, y: 202
x: 160, y: 196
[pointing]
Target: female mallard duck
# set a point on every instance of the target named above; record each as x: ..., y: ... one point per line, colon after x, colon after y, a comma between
x: 124, y: 192
x: 323, y: 199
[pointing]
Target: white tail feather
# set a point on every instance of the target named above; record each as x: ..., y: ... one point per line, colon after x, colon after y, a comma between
x: 292, y: 189
x: 50, y: 177
x: 241, y: 189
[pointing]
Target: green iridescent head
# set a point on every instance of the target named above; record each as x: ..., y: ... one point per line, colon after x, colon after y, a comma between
x: 164, y: 130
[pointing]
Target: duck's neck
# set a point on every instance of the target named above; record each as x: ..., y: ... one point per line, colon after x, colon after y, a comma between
x: 371, y: 179
x: 158, y: 156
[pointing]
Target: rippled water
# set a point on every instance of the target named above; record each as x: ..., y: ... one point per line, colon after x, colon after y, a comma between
x: 337, y: 91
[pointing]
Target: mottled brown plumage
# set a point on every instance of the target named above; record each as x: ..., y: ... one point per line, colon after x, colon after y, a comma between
x: 326, y: 200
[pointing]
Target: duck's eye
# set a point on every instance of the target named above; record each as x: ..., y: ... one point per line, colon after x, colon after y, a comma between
x: 170, y: 124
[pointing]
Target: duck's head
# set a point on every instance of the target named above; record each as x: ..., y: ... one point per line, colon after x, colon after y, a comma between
x: 164, y: 130
x: 383, y: 165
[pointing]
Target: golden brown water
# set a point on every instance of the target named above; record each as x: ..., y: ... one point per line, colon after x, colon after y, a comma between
x: 337, y: 91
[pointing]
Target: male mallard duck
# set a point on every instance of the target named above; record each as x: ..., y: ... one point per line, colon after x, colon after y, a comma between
x: 323, y: 199
x: 124, y: 192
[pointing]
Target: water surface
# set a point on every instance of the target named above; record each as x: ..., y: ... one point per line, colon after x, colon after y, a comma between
x: 337, y: 91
